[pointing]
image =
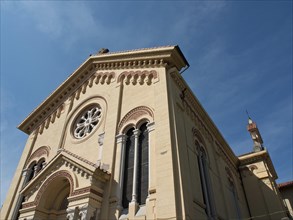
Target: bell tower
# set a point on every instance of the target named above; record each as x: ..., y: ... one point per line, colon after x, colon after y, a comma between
x: 255, y: 135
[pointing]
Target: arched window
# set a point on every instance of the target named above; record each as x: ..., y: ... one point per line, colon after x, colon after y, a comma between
x: 128, y: 169
x: 30, y: 172
x: 234, y: 196
x: 136, y: 166
x: 143, y: 164
x: 205, y: 180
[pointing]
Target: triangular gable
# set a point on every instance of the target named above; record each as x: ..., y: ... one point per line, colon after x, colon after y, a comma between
x: 70, y: 159
x: 143, y: 58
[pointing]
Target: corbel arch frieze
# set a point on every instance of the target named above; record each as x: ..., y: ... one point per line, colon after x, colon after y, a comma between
x: 138, y: 77
x: 37, y: 154
x: 135, y: 117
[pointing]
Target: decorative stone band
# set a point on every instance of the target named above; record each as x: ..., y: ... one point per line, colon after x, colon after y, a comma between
x: 143, y: 63
x: 86, y: 190
x: 84, y: 160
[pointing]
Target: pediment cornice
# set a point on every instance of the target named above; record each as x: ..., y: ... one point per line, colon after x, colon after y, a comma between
x: 254, y: 157
x: 74, y: 162
x: 170, y: 56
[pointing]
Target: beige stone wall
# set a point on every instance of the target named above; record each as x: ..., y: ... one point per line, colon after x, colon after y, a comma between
x: 259, y: 184
x: 156, y: 93
x: 185, y: 154
x: 17, y: 182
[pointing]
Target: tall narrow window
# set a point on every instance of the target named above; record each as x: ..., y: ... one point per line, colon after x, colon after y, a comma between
x: 234, y: 199
x: 205, y: 181
x: 128, y: 169
x: 137, y: 145
x: 143, y: 165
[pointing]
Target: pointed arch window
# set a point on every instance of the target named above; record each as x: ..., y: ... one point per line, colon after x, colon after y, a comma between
x: 234, y: 195
x: 205, y: 180
x: 136, y: 166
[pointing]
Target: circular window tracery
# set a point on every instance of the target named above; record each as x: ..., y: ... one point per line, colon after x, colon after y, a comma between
x: 87, y: 121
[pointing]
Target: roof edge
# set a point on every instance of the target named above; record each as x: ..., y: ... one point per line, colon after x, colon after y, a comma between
x: 167, y: 55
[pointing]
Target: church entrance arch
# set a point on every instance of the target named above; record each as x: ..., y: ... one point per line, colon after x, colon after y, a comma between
x: 54, y: 200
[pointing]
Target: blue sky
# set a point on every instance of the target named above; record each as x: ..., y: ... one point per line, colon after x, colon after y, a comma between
x: 240, y: 54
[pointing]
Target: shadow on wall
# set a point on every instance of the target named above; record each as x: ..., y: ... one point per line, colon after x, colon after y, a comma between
x: 263, y: 197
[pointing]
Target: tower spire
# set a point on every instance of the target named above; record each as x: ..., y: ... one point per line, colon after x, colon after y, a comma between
x: 255, y: 135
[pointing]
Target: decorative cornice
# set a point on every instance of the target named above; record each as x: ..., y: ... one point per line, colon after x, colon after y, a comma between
x: 98, y: 166
x: 145, y: 58
x: 254, y: 157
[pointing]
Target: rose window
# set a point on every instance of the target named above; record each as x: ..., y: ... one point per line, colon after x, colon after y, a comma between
x: 87, y: 121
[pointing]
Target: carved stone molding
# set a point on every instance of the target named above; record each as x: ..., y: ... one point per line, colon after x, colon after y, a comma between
x: 135, y: 115
x: 162, y: 57
x: 143, y: 63
x: 61, y: 173
x: 51, y: 118
x: 196, y: 133
x: 102, y: 78
x: 138, y: 77
x: 44, y: 150
x: 54, y: 105
x: 86, y: 190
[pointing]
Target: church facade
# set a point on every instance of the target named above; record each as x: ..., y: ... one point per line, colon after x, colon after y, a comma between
x: 124, y: 137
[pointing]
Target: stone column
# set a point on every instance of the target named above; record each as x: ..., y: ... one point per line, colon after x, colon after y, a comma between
x: 133, y: 205
x: 151, y: 128
x: 36, y: 168
x: 136, y: 133
x: 25, y: 175
x: 121, y: 143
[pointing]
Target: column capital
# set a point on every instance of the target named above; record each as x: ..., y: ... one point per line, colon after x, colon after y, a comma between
x: 25, y: 172
x: 121, y: 138
x: 151, y: 126
x: 136, y: 132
